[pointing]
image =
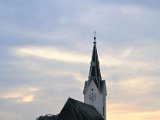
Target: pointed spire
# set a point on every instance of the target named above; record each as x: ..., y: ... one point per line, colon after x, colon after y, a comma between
x: 94, y: 67
x: 94, y: 37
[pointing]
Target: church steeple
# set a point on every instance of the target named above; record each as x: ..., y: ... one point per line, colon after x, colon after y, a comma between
x: 94, y: 72
x: 95, y: 88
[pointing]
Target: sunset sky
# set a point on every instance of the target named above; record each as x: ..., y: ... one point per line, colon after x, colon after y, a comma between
x: 46, y: 47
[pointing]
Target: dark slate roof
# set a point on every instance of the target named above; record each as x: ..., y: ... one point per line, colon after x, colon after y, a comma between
x: 76, y: 110
x: 94, y: 67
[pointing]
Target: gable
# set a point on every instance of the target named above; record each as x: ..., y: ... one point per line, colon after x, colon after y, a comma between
x: 91, y: 87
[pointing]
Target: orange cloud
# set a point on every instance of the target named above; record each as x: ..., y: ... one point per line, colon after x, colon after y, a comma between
x: 130, y: 112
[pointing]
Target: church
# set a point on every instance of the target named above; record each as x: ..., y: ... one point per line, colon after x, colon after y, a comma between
x: 94, y: 105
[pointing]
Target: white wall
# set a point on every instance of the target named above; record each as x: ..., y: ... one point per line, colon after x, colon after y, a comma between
x: 99, y: 102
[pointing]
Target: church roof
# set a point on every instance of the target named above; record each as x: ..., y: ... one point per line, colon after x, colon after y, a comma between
x: 75, y: 110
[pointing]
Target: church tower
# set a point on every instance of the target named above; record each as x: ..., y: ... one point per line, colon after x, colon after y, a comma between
x: 95, y: 88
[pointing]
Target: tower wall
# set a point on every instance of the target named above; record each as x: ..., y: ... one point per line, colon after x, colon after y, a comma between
x: 99, y: 102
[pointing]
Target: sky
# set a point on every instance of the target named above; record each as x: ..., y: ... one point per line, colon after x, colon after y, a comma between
x: 46, y: 47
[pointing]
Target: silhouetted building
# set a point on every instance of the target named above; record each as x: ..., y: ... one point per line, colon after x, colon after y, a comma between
x: 75, y: 110
x: 94, y: 106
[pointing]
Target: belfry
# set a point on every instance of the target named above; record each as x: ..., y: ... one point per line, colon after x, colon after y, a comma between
x: 95, y: 88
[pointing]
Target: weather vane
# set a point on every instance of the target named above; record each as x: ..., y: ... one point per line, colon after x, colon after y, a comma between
x: 94, y: 36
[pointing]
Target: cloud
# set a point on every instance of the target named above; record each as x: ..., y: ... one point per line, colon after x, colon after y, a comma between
x: 51, y: 53
x: 119, y: 59
x: 22, y: 95
x: 97, y: 14
x: 44, y: 45
x: 28, y: 33
x: 136, y: 87
x: 148, y: 4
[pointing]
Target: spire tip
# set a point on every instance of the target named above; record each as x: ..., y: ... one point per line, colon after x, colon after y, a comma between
x: 94, y: 37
